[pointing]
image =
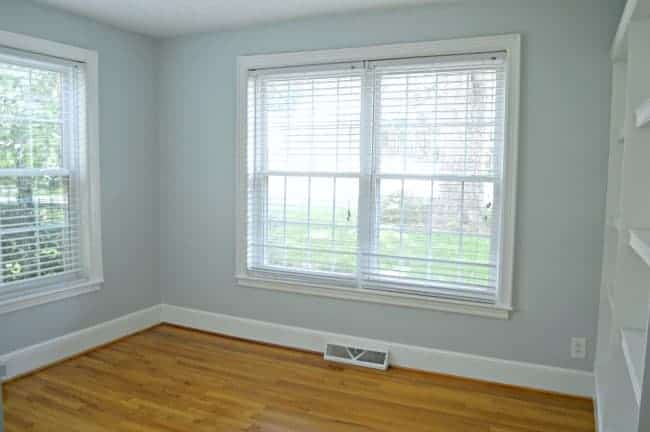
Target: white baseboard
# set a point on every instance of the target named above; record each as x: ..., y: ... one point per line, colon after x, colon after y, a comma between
x: 37, y: 356
x: 598, y: 410
x: 567, y: 381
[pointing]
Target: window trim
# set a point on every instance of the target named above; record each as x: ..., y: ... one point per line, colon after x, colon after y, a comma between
x: 511, y: 44
x: 89, y: 178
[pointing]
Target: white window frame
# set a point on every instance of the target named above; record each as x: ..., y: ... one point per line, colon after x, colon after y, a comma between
x: 91, y: 242
x: 511, y: 44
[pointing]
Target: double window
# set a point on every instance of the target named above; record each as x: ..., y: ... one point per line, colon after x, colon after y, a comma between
x: 48, y: 241
x: 381, y: 176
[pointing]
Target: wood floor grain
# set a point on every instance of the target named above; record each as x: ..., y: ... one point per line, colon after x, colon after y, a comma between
x: 173, y: 379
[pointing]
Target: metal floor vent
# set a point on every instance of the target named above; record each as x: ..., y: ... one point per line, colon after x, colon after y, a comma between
x: 357, y: 356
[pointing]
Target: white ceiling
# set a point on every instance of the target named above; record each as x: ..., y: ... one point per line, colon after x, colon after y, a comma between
x: 175, y: 17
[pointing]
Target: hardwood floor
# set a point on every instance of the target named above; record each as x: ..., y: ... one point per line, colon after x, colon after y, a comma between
x: 173, y: 379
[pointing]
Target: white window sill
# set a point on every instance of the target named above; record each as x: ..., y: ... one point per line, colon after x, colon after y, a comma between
x: 48, y: 295
x: 390, y: 298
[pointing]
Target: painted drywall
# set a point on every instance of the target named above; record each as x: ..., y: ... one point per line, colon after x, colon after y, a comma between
x: 167, y: 123
x: 129, y: 175
x: 562, y: 175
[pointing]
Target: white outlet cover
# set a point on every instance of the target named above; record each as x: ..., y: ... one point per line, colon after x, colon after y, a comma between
x: 578, y: 348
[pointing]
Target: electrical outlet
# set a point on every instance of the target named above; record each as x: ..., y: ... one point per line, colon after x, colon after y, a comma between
x: 578, y: 347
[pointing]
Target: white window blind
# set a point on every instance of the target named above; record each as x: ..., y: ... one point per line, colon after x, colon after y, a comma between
x: 383, y: 175
x: 42, y: 129
x: 305, y: 136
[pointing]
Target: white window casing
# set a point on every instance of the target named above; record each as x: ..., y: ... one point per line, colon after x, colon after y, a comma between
x: 50, y: 227
x: 384, y: 174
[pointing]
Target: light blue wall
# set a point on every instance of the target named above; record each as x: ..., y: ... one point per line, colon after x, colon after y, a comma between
x: 129, y: 175
x: 563, y: 152
x: 168, y: 171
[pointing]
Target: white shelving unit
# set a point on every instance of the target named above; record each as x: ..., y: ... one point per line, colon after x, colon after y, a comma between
x: 640, y: 242
x: 633, y: 342
x: 610, y: 298
x: 622, y: 384
x: 643, y: 114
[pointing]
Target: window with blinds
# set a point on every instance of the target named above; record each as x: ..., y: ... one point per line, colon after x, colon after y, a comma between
x: 42, y: 131
x: 305, y: 136
x: 379, y: 175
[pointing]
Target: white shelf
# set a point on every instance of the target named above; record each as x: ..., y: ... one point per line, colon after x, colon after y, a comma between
x: 642, y: 114
x: 616, y: 224
x: 610, y: 298
x: 620, y: 357
x: 640, y: 242
x: 633, y: 341
x: 619, y: 47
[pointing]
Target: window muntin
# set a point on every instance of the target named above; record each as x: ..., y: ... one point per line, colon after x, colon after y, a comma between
x: 42, y: 129
x: 427, y: 178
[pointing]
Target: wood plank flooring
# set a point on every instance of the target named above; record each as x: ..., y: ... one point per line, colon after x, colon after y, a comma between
x: 173, y: 379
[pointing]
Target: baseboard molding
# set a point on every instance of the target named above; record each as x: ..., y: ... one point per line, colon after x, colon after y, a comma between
x: 566, y: 381
x: 598, y: 411
x: 43, y: 354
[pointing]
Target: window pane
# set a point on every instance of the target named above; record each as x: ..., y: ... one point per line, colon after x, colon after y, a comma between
x: 431, y: 231
x: 14, y: 87
x: 346, y: 225
x: 46, y: 145
x: 316, y: 230
x: 438, y: 122
x: 31, y: 107
x: 45, y: 94
x: 14, y: 143
x: 308, y: 123
x: 37, y: 227
x: 276, y: 197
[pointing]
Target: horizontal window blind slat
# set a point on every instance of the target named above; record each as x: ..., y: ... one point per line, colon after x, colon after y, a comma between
x: 408, y: 276
x: 35, y: 213
x: 441, y: 290
x: 34, y: 172
x: 42, y: 228
x: 460, y: 277
x: 432, y: 260
x: 36, y: 277
x: 43, y: 265
x: 24, y: 247
x: 337, y: 251
x: 63, y: 255
x: 297, y: 173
